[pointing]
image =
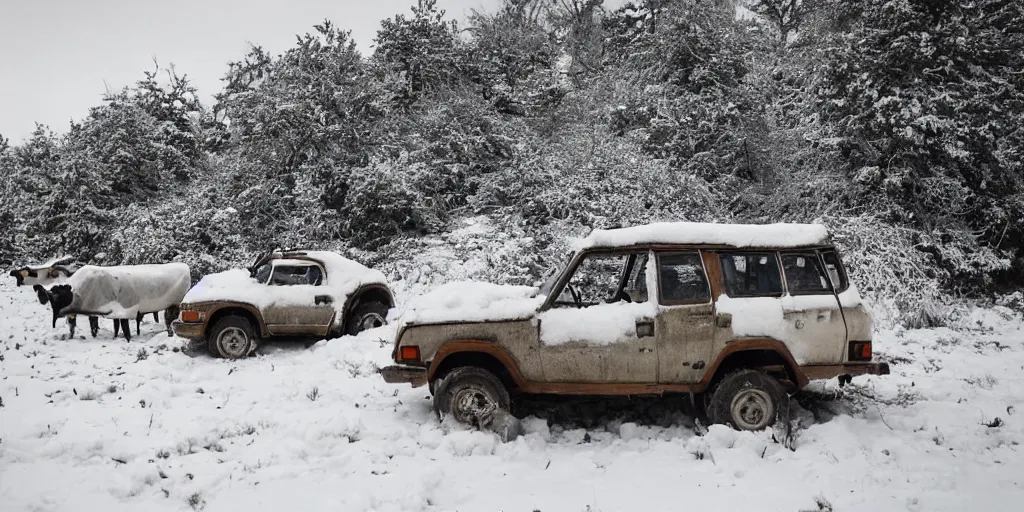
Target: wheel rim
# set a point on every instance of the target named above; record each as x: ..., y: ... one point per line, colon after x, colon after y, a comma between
x: 370, y: 321
x: 472, y: 406
x: 751, y: 409
x: 233, y: 342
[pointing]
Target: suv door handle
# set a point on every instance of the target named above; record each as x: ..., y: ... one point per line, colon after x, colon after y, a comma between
x: 645, y: 350
x: 644, y: 328
x: 323, y: 299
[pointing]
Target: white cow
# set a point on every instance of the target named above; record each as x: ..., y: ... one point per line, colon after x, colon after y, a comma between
x: 120, y: 292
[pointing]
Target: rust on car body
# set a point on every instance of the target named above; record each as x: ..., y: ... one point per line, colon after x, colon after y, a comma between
x: 314, y: 305
x: 800, y: 293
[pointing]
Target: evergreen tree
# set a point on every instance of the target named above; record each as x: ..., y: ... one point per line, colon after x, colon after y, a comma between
x: 423, y: 51
x: 927, y: 97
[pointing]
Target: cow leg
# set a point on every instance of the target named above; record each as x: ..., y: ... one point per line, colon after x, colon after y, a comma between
x: 116, y: 326
x: 126, y: 330
x: 94, y: 325
x: 71, y: 326
x: 138, y: 323
x: 169, y: 315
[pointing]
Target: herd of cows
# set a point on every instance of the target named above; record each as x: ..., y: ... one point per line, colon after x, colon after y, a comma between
x: 118, y: 293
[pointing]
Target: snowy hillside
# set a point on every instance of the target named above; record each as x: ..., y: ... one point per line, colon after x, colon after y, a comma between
x: 107, y: 425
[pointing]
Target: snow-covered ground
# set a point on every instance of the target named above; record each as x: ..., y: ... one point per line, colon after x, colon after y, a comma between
x: 101, y: 424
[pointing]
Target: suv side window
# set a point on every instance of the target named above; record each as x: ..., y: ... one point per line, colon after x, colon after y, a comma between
x: 804, y: 274
x: 288, y: 275
x: 602, y: 278
x: 751, y: 274
x: 681, y: 278
x: 835, y: 270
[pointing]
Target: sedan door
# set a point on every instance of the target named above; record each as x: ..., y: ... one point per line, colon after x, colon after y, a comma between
x: 298, y: 305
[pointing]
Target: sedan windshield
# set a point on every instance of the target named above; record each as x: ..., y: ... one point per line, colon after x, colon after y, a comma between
x: 263, y: 273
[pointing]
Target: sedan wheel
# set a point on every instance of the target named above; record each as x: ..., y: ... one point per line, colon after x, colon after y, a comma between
x: 233, y: 343
x: 232, y: 337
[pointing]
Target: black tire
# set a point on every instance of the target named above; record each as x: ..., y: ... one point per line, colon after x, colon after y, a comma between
x: 471, y: 395
x: 232, y: 337
x: 747, y: 400
x: 366, y: 316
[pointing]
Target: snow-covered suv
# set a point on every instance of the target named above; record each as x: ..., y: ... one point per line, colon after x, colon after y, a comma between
x: 284, y: 294
x: 735, y: 315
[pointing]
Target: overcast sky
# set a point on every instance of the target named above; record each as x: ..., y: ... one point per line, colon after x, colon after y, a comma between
x: 59, y: 56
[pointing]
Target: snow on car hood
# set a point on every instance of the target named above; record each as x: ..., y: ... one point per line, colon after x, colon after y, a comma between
x: 344, y: 276
x: 472, y: 301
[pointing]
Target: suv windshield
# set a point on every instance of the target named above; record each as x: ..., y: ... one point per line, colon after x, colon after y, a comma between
x: 552, y: 276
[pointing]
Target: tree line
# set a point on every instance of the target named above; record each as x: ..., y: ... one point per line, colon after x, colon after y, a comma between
x: 897, y: 123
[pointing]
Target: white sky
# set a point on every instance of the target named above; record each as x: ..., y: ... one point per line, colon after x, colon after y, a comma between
x: 57, y: 57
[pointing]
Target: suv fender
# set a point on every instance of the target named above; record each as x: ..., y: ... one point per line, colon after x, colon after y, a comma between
x: 485, y: 354
x: 754, y: 353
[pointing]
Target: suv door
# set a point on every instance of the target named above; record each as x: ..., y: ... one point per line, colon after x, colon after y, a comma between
x: 600, y: 327
x: 300, y: 307
x: 685, y: 325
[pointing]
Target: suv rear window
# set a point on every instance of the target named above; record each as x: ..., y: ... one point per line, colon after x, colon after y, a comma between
x: 804, y: 274
x: 835, y: 270
x: 751, y: 274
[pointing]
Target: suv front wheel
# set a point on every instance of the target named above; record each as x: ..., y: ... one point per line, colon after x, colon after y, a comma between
x: 232, y: 337
x: 747, y: 400
x: 473, y: 396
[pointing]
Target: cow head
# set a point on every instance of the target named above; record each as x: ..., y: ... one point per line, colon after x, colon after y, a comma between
x: 59, y: 297
x: 20, y: 274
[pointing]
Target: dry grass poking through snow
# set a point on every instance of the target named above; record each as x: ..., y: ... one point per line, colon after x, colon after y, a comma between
x: 182, y: 431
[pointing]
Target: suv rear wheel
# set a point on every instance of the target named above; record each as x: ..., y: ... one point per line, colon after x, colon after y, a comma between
x: 473, y: 396
x: 232, y: 337
x: 747, y: 400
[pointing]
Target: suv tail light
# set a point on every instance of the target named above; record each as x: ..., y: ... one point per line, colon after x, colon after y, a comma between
x: 860, y: 351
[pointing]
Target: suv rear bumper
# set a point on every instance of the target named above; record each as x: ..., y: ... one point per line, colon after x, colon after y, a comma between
x: 401, y: 374
x: 187, y: 330
x: 827, y: 371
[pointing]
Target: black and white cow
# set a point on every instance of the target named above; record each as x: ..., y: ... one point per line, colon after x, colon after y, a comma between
x: 57, y: 271
x: 52, y: 272
x: 121, y: 293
